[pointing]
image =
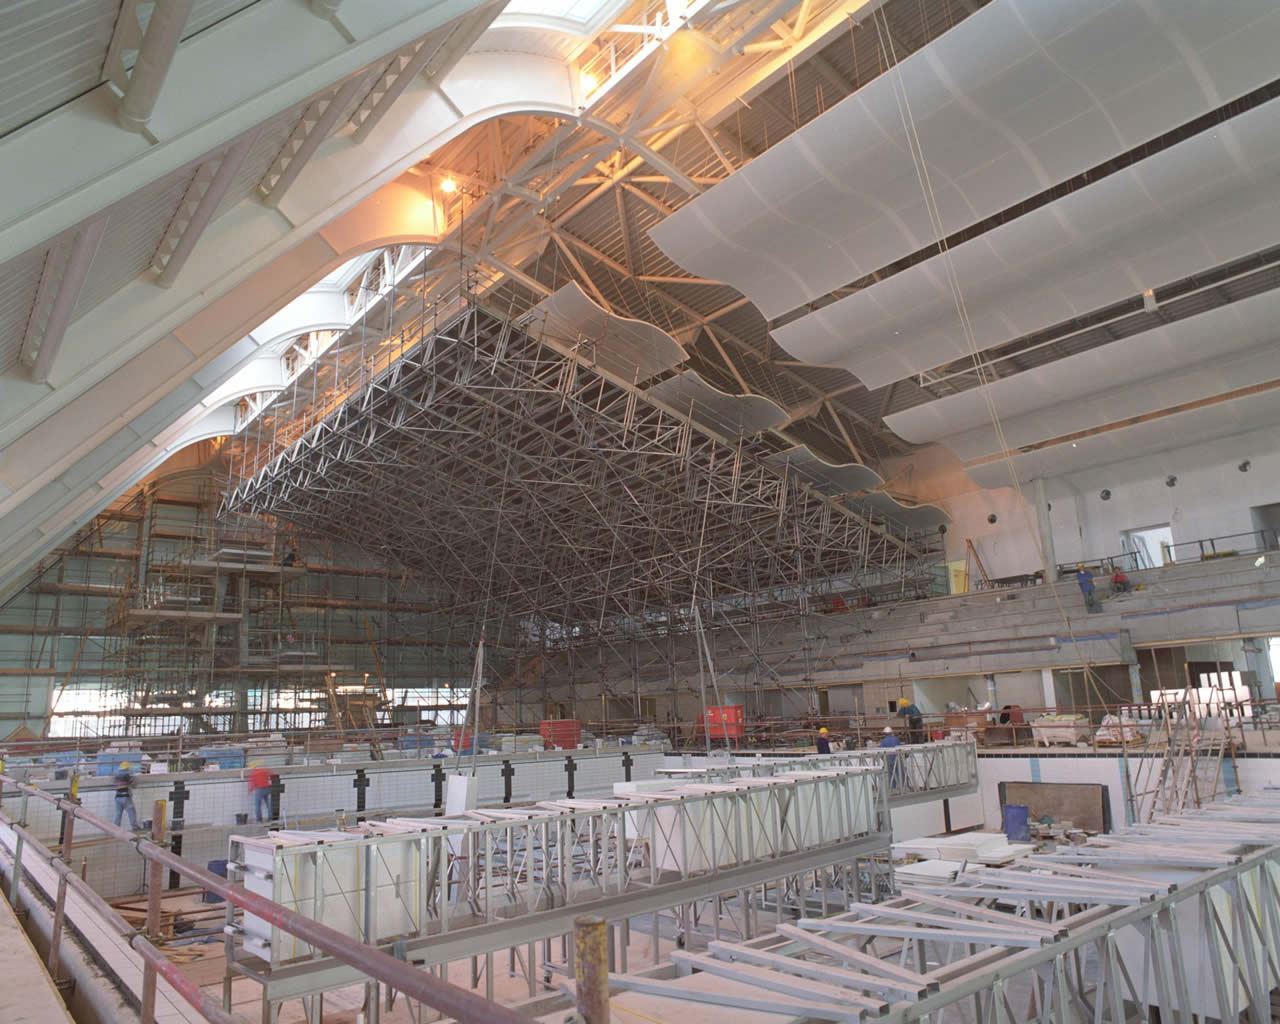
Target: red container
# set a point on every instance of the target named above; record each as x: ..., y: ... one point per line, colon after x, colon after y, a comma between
x: 561, y: 733
x: 725, y: 721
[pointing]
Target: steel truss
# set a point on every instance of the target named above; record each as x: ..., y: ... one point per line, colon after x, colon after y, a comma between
x: 531, y: 485
x: 916, y: 773
x: 1181, y: 918
x: 704, y: 864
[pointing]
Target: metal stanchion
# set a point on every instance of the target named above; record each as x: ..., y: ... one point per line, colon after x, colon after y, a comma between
x: 155, y: 887
x: 591, y: 968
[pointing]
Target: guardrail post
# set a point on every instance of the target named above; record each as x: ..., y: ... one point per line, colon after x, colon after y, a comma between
x: 59, y: 914
x: 591, y: 968
x: 15, y: 883
x: 155, y: 886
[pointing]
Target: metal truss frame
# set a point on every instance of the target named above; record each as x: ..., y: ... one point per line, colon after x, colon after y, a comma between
x: 1104, y: 933
x: 538, y: 487
x: 704, y: 863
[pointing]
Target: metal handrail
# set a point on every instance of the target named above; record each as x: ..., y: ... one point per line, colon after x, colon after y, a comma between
x: 451, y: 1000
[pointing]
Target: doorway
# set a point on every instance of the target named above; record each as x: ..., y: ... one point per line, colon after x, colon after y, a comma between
x: 1147, y: 546
x: 1266, y: 523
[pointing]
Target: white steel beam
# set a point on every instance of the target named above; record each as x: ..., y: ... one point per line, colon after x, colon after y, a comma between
x: 182, y: 236
x: 74, y: 162
x: 154, y: 58
x: 83, y: 249
x: 314, y: 128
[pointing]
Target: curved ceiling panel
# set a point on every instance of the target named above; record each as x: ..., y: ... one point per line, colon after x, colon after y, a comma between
x: 727, y: 415
x: 1208, y: 200
x: 999, y: 118
x: 849, y: 478
x: 1167, y: 433
x: 631, y: 350
x: 963, y: 421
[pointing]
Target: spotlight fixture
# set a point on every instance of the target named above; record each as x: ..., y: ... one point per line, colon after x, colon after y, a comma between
x: 449, y: 185
x: 1245, y: 466
x: 942, y: 528
x: 1105, y: 494
x: 1171, y: 481
x: 992, y: 518
x: 589, y: 83
x: 1260, y: 561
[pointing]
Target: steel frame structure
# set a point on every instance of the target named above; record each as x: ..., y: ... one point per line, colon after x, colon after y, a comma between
x: 1182, y: 918
x: 708, y: 861
x: 538, y: 487
x: 916, y: 773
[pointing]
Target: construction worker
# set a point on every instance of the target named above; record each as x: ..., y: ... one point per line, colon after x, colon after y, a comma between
x: 824, y: 744
x: 124, y: 796
x: 1119, y: 582
x: 889, y: 741
x: 260, y: 791
x: 915, y: 719
x: 1085, y: 580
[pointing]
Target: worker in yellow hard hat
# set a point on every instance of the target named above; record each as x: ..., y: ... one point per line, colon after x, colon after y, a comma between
x: 824, y: 744
x: 915, y: 719
x: 1084, y: 579
x: 124, y: 796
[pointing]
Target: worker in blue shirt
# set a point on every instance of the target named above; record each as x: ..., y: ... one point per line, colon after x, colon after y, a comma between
x: 889, y: 740
x: 915, y: 719
x: 823, y: 744
x: 1085, y: 580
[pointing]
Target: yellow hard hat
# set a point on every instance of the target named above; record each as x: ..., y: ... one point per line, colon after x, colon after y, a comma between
x: 1079, y: 565
x: 255, y: 764
x: 125, y: 764
x: 903, y: 702
x: 822, y: 731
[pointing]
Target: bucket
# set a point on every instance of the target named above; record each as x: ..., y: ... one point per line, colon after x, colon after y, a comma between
x: 218, y: 867
x: 1017, y: 823
x: 242, y: 819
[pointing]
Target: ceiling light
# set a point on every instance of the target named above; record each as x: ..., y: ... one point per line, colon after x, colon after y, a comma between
x: 589, y: 83
x: 449, y: 185
x: 1074, y: 445
x: 1260, y: 561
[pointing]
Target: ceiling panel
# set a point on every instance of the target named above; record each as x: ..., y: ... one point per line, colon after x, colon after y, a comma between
x: 51, y: 51
x: 1149, y: 439
x: 1019, y: 96
x: 728, y: 415
x: 1201, y: 203
x: 963, y: 421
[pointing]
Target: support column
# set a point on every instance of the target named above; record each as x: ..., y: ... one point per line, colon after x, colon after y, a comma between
x: 1135, y: 684
x: 1050, y: 695
x: 1257, y: 659
x: 1045, y: 528
x: 991, y: 689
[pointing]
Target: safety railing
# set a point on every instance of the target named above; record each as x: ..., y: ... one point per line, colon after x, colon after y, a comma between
x: 1180, y: 551
x: 397, y: 975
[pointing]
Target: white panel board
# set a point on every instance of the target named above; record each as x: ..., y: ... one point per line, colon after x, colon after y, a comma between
x: 1017, y: 97
x: 1159, y: 368
x: 1201, y: 203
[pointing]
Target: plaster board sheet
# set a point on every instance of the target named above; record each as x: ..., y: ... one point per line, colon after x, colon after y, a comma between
x: 728, y: 415
x: 1201, y: 203
x: 1186, y: 343
x: 1017, y: 97
x: 633, y: 350
x: 1167, y: 433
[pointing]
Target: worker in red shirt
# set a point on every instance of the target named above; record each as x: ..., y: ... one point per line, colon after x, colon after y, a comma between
x: 260, y: 790
x: 1119, y: 582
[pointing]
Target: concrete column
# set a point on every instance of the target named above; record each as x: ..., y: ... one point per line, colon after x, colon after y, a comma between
x: 1046, y: 685
x: 1045, y: 528
x: 991, y: 689
x: 1135, y: 684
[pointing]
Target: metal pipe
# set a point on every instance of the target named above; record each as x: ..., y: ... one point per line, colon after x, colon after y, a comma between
x: 591, y: 968
x: 155, y: 883
x: 451, y: 1000
x: 203, y: 1003
x: 155, y: 56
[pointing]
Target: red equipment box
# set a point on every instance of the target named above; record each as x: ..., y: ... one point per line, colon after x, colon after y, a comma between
x: 561, y: 733
x: 724, y: 721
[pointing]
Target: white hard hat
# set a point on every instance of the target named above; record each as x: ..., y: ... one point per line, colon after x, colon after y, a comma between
x: 888, y: 729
